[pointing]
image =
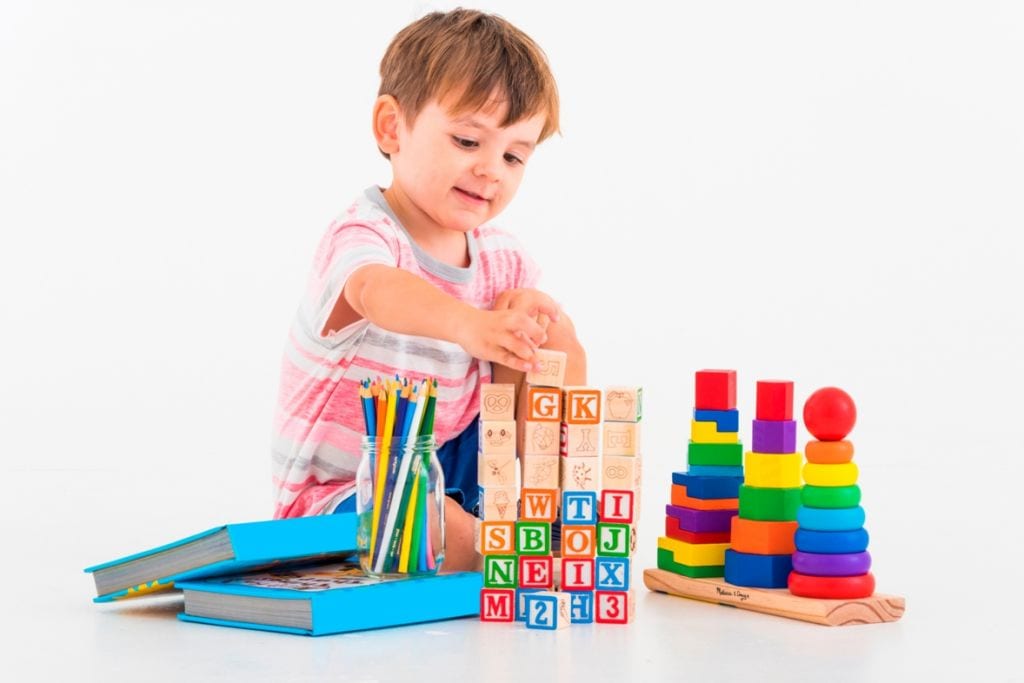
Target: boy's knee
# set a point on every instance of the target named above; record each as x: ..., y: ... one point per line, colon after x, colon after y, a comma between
x: 562, y: 337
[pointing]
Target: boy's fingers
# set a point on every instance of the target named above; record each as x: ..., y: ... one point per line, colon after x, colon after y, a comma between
x: 549, y: 309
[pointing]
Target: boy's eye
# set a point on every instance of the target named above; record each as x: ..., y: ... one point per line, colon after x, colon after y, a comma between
x: 464, y: 142
x: 513, y: 159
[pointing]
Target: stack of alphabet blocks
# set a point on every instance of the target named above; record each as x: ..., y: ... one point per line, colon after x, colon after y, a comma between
x: 703, y: 502
x: 560, y: 472
x: 762, y: 535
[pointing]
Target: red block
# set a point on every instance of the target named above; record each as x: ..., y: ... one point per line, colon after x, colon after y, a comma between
x: 672, y: 530
x: 537, y: 571
x: 774, y: 400
x: 716, y: 390
x: 496, y: 604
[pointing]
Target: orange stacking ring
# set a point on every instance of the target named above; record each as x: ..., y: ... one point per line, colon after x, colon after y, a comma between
x: 763, y: 538
x: 832, y: 587
x: 680, y: 498
x: 829, y: 452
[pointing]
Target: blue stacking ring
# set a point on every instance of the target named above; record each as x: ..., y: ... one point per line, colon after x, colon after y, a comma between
x: 833, y: 542
x: 715, y: 471
x: 830, y: 519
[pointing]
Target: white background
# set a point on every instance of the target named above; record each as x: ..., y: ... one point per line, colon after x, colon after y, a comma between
x: 829, y: 192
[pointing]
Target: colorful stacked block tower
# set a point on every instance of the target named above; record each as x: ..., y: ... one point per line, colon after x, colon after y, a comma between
x: 761, y: 552
x: 831, y: 559
x: 704, y: 498
x: 499, y: 501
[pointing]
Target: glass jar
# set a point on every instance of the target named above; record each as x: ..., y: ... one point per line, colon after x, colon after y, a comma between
x: 400, y: 503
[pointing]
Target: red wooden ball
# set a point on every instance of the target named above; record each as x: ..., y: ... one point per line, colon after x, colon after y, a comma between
x: 830, y: 414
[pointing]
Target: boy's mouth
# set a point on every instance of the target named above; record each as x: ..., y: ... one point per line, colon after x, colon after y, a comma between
x: 472, y: 196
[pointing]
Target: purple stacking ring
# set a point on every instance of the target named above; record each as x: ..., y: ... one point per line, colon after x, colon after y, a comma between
x: 820, y: 564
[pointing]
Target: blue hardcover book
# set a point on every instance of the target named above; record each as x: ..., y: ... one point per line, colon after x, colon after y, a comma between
x: 317, y: 600
x: 228, y: 549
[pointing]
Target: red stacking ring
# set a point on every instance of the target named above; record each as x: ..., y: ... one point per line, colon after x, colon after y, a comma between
x: 832, y: 587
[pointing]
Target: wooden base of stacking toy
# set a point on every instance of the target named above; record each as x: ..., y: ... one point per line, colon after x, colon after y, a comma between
x: 779, y: 601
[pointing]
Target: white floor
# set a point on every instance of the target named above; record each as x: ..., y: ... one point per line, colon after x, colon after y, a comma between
x: 954, y: 625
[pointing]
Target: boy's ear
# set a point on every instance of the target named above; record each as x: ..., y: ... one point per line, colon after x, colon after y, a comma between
x: 386, y: 115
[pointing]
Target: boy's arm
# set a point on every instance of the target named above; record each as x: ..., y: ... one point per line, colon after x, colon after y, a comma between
x: 397, y: 300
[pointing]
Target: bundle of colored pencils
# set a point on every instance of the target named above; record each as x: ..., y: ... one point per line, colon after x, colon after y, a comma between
x: 398, y: 414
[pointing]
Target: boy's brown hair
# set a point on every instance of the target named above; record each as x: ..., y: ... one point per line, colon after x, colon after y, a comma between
x: 469, y: 54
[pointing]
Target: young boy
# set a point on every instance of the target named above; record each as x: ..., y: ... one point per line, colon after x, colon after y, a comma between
x: 412, y: 280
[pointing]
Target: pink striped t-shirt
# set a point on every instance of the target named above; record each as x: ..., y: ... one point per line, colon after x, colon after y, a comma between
x: 318, y: 422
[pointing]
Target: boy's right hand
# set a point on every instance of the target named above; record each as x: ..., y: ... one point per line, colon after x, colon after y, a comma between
x: 508, y: 337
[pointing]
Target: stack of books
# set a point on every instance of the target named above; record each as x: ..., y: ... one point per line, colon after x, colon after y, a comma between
x: 297, y: 575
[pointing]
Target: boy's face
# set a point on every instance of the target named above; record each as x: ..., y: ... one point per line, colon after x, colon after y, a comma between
x: 461, y: 169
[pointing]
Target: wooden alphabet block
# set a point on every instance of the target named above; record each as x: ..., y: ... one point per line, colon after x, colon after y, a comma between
x: 581, y: 605
x: 579, y: 508
x: 621, y: 472
x: 552, y: 369
x: 500, y: 571
x: 621, y: 438
x: 533, y: 538
x: 581, y: 406
x: 497, y: 402
x: 542, y: 438
x: 496, y: 604
x: 548, y: 611
x: 521, y: 594
x: 579, y: 542
x: 540, y: 471
x: 623, y: 404
x: 498, y: 438
x: 613, y: 540
x: 497, y: 538
x: 578, y: 574
x: 498, y: 504
x: 616, y: 506
x: 538, y: 505
x: 580, y: 441
x: 543, y: 404
x: 496, y: 469
x: 580, y: 474
x: 611, y: 574
x: 536, y: 571
x: 614, y: 607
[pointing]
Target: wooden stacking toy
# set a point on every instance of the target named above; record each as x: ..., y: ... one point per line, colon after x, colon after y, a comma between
x: 761, y: 544
x: 831, y: 558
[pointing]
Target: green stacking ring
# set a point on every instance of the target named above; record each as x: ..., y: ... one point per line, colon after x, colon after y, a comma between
x: 667, y: 562
x: 831, y: 496
x: 725, y: 454
x: 769, y: 505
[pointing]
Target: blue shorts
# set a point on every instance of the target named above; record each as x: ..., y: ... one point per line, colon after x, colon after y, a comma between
x: 458, y: 458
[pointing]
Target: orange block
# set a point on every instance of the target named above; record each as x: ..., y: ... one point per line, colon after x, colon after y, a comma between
x: 680, y: 498
x: 829, y: 452
x: 763, y: 538
x: 543, y: 404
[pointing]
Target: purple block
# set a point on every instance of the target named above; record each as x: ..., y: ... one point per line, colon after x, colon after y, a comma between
x: 842, y: 564
x: 775, y: 436
x: 701, y: 520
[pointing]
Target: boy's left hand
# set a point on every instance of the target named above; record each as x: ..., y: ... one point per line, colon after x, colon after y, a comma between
x: 531, y: 301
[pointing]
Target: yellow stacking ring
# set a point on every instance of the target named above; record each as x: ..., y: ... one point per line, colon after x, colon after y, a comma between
x: 707, y: 432
x: 772, y: 470
x: 844, y: 474
x: 694, y: 554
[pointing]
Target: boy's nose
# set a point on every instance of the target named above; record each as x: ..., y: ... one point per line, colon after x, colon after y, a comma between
x: 487, y: 168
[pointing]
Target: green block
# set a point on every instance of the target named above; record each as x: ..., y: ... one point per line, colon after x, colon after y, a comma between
x: 612, y: 540
x: 666, y: 562
x: 727, y: 454
x: 769, y: 505
x: 831, y: 496
x: 533, y: 538
x: 501, y: 571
